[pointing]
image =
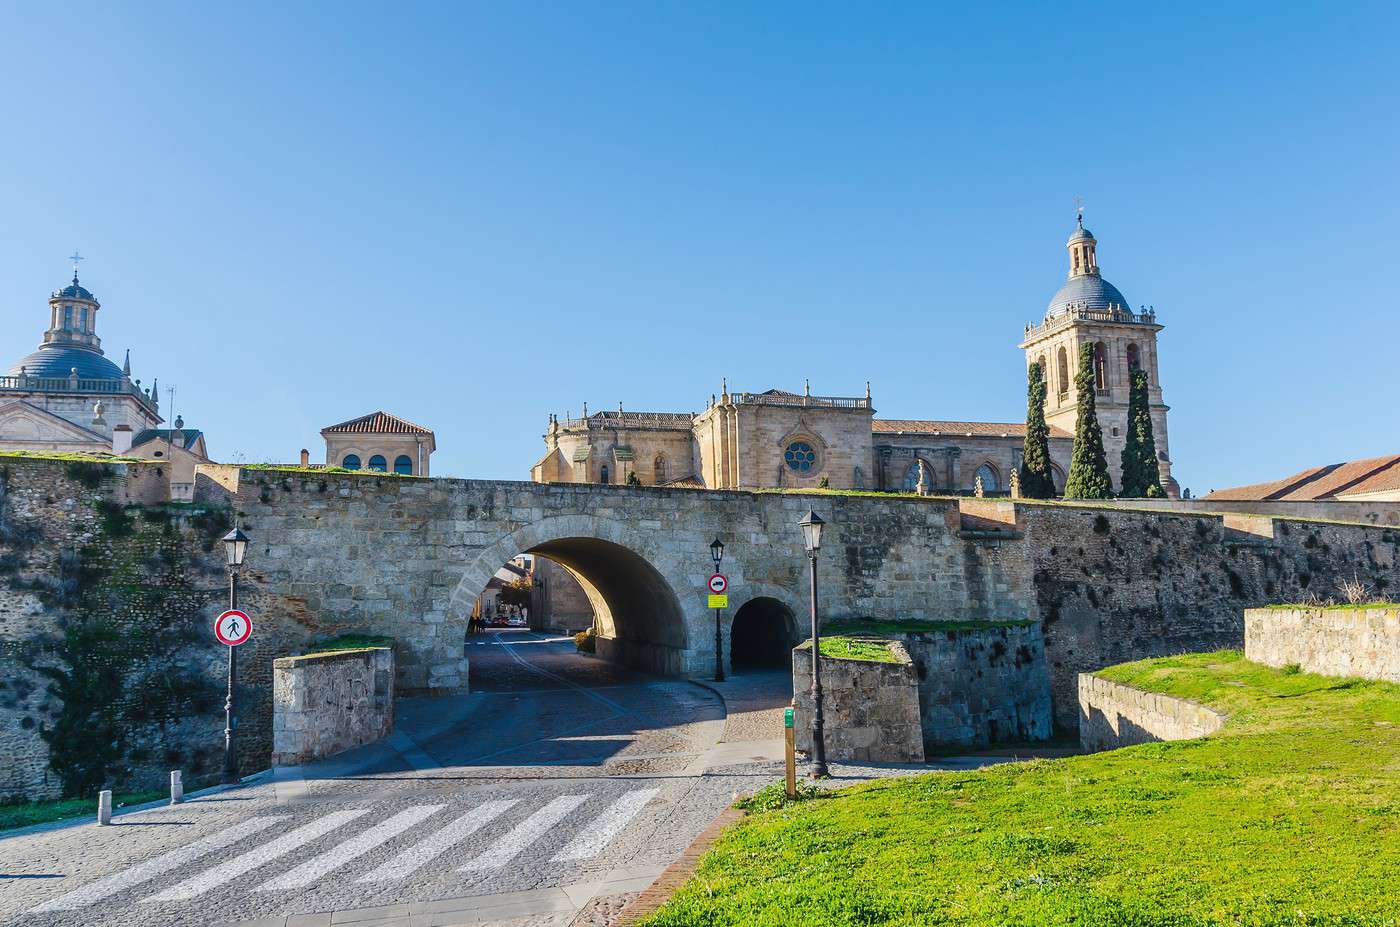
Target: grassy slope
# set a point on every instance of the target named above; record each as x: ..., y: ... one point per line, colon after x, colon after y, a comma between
x: 23, y: 814
x: 1289, y: 815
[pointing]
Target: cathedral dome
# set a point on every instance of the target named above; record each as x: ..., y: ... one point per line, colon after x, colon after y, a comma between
x: 1080, y: 234
x: 75, y: 291
x: 60, y: 360
x: 1087, y: 291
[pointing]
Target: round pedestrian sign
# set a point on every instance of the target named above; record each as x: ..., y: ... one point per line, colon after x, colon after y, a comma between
x: 233, y: 627
x: 718, y: 583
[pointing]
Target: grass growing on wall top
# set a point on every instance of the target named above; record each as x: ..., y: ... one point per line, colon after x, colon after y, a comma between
x: 27, y: 813
x: 839, y: 647
x: 1290, y: 815
x: 888, y: 626
x: 351, y: 642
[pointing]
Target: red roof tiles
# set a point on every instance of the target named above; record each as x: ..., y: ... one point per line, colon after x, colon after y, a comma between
x: 958, y: 429
x: 377, y: 423
x: 1374, y: 474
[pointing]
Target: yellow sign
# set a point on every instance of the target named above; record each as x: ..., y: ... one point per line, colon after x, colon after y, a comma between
x: 719, y: 601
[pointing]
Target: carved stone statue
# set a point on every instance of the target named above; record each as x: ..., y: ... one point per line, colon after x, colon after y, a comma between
x: 977, y: 488
x: 923, y: 485
x: 1016, y: 483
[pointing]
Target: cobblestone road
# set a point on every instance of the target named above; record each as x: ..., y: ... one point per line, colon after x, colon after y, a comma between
x: 558, y: 787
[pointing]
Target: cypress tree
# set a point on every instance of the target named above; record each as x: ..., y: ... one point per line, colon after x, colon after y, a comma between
x: 1141, y: 477
x: 1088, y: 467
x: 1036, y: 481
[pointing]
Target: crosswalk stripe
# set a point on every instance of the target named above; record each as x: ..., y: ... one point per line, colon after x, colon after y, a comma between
x: 524, y: 834
x: 433, y: 846
x: 142, y: 872
x: 231, y: 869
x: 356, y: 846
x: 590, y: 841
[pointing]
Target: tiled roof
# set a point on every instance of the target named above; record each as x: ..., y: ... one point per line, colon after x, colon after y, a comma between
x: 163, y: 434
x: 958, y: 429
x: 377, y: 423
x: 1374, y: 474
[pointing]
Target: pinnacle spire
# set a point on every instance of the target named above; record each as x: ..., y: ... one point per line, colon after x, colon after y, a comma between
x: 126, y: 365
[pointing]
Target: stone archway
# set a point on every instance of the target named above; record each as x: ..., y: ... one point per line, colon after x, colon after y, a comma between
x: 762, y: 635
x: 640, y: 620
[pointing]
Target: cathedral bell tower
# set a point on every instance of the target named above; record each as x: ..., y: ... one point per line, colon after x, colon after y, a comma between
x: 1090, y: 310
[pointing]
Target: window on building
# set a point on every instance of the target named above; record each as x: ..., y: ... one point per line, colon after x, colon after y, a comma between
x: 82, y: 319
x: 68, y: 318
x: 800, y: 457
x: 1100, y: 366
x: 350, y: 462
x: 1133, y: 359
x: 989, y: 478
x: 911, y: 477
x: 658, y: 469
x: 403, y: 464
x: 1062, y: 372
x: 603, y: 475
x: 377, y: 462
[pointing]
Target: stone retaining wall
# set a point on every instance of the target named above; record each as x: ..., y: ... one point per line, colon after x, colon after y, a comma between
x: 1112, y: 715
x: 1362, y: 642
x: 325, y: 703
x: 870, y: 711
x: 980, y: 686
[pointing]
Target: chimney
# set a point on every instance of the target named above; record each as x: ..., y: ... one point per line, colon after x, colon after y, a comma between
x: 305, y: 457
x: 121, y: 439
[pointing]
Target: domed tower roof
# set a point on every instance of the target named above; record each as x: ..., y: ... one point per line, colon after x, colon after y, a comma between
x: 1086, y: 288
x: 71, y: 341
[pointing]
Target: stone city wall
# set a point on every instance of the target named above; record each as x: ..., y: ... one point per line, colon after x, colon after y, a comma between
x: 114, y: 597
x: 1341, y: 641
x: 109, y: 673
x: 1113, y: 586
x: 982, y: 686
x: 870, y: 710
x: 325, y: 703
x: 1112, y: 715
x: 1362, y: 512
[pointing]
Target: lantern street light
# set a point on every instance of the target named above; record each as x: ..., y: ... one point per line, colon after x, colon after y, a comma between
x: 235, y: 548
x: 717, y: 554
x: 811, y: 526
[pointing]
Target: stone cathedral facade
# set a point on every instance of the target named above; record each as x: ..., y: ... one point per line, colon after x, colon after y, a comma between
x: 779, y: 439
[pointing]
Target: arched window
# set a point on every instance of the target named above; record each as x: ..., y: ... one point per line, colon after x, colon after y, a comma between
x: 1062, y: 371
x: 1100, y: 367
x: 1057, y: 477
x: 658, y: 469
x: 403, y: 464
x: 1133, y: 359
x: 911, y: 476
x: 604, y: 478
x: 989, y: 478
x: 377, y: 462
x: 351, y: 462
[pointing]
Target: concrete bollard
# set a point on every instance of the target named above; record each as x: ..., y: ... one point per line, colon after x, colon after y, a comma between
x: 104, y: 806
x: 177, y: 787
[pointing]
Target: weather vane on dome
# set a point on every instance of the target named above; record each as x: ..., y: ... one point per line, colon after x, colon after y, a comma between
x: 75, y: 257
x: 1079, y: 209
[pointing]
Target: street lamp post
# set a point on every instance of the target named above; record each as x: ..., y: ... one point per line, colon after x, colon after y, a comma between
x: 235, y: 547
x: 717, y: 553
x: 811, y: 526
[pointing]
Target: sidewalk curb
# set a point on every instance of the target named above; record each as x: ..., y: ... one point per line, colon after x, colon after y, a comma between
x: 254, y: 779
x: 679, y: 872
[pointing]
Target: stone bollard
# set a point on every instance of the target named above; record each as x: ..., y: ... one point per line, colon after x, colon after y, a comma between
x: 177, y: 787
x: 104, y: 806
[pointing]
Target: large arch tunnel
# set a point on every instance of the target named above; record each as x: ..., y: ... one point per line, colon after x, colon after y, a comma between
x: 639, y: 619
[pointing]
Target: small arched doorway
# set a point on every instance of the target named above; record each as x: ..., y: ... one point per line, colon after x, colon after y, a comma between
x: 762, y: 635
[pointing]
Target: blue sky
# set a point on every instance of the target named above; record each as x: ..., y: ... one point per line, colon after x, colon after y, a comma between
x: 475, y: 214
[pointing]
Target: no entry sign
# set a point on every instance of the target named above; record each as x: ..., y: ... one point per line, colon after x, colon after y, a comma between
x: 718, y: 583
x: 233, y: 627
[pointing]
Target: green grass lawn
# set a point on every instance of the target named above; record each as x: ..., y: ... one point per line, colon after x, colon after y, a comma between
x: 24, y: 814
x: 1290, y: 815
x: 919, y: 626
x: 854, y: 648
